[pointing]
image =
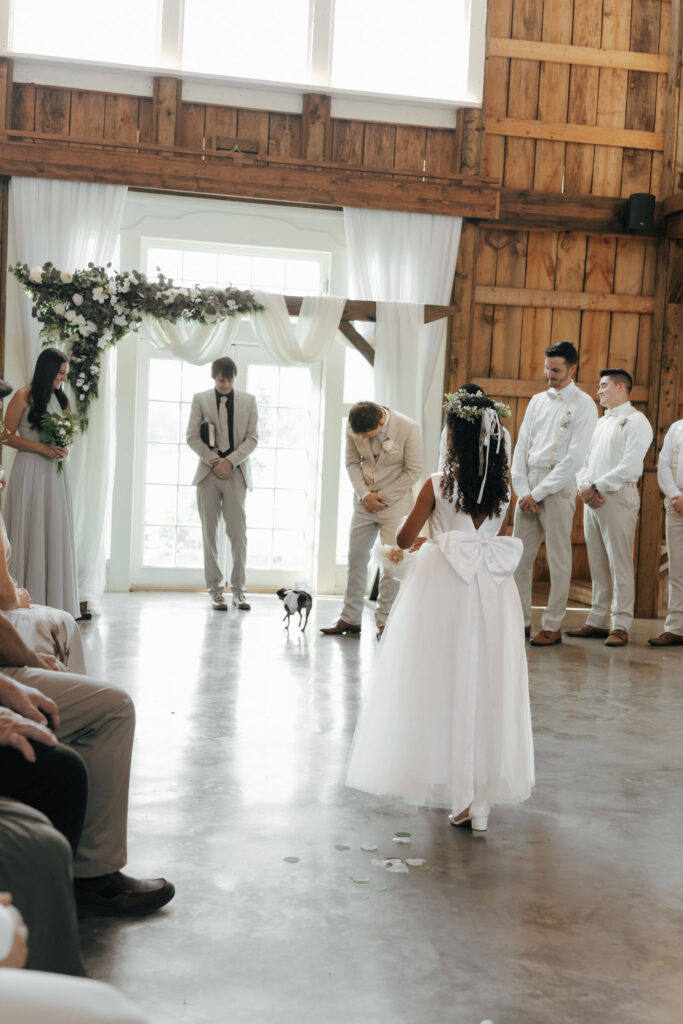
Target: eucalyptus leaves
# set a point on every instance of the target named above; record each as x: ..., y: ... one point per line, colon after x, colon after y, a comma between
x: 88, y: 310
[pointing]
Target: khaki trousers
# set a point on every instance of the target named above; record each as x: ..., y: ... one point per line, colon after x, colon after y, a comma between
x: 226, y: 497
x: 362, y: 535
x: 609, y: 532
x: 674, y: 546
x: 555, y: 523
x: 97, y: 721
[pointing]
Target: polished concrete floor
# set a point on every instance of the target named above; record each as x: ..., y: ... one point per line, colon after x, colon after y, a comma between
x: 568, y: 911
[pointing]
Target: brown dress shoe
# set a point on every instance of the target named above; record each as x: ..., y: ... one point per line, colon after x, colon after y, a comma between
x: 666, y: 640
x: 546, y: 638
x: 339, y: 628
x: 585, y: 632
x: 617, y: 638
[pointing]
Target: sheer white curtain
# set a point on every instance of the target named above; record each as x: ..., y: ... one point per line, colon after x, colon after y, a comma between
x: 195, y: 343
x: 406, y: 258
x: 72, y: 224
x: 305, y: 341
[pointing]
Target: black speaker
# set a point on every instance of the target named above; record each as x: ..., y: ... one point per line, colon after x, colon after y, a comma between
x: 640, y: 212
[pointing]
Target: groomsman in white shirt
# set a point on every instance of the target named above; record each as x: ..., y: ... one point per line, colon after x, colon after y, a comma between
x: 670, y: 480
x: 608, y: 487
x: 551, y: 446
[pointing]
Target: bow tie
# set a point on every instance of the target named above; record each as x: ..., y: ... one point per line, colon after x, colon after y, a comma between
x: 552, y: 393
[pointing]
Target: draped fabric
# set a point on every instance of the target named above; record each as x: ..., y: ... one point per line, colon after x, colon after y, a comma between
x: 406, y: 258
x: 72, y: 224
x: 195, y: 343
x: 307, y: 340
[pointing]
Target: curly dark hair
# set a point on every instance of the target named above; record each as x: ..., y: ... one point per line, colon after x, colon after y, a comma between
x: 48, y: 365
x: 462, y: 465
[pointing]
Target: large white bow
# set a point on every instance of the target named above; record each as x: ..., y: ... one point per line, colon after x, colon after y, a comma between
x: 469, y: 553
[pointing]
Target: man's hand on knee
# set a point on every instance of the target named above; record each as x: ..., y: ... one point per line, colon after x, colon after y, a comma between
x: 16, y: 731
x: 28, y: 702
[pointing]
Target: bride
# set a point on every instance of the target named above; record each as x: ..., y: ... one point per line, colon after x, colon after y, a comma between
x: 446, y: 721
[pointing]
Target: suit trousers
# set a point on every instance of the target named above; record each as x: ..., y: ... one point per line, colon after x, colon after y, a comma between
x: 226, y: 497
x: 362, y: 535
x: 555, y: 523
x: 674, y: 547
x: 609, y: 532
x: 98, y: 722
x: 35, y: 867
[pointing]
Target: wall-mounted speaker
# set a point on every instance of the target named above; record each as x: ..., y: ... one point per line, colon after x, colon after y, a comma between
x: 640, y: 212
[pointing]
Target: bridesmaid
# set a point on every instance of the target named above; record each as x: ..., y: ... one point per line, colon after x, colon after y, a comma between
x: 38, y: 513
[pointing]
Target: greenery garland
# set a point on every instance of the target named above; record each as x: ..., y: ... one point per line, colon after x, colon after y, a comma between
x: 89, y: 310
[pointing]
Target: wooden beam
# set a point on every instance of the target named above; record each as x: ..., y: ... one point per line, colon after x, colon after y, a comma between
x: 365, y: 309
x: 587, y: 56
x: 358, y: 341
x: 6, y: 76
x: 649, y: 545
x: 166, y: 109
x: 554, y: 211
x: 271, y: 180
x: 317, y: 127
x: 546, y: 299
x: 560, y: 132
x: 507, y: 387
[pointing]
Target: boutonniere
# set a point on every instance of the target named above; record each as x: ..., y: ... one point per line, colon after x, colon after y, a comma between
x: 566, y: 418
x: 623, y: 421
x: 388, y: 445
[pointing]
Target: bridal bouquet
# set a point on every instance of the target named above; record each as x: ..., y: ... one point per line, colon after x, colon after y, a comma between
x: 59, y: 431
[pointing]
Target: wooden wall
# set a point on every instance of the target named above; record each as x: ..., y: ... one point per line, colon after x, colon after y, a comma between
x: 578, y: 100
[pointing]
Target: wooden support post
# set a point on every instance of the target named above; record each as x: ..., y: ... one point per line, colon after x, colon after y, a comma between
x: 357, y: 340
x: 6, y: 77
x: 459, y: 346
x: 317, y: 127
x: 166, y: 110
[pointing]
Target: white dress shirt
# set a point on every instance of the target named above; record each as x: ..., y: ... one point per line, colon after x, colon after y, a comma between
x: 620, y: 443
x: 567, y: 416
x: 670, y: 477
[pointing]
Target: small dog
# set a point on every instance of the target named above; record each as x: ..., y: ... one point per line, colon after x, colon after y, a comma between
x: 296, y: 601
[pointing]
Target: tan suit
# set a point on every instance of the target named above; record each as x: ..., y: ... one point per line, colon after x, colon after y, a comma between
x: 216, y: 496
x: 389, y: 465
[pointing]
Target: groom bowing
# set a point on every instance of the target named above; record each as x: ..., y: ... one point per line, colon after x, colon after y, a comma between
x: 383, y: 460
x: 222, y: 430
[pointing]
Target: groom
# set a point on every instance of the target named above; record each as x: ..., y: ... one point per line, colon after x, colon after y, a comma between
x: 383, y: 460
x: 222, y: 430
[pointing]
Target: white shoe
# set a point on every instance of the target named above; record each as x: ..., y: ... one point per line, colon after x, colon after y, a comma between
x: 240, y: 601
x: 218, y: 602
x: 477, y: 814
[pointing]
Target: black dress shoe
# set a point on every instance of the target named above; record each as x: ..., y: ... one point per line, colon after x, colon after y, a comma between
x: 120, y: 895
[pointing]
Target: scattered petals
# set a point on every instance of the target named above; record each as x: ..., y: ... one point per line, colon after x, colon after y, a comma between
x: 369, y: 848
x: 342, y: 846
x: 359, y: 879
x: 291, y: 860
x: 396, y: 866
x: 400, y: 839
x: 415, y: 862
x: 403, y: 835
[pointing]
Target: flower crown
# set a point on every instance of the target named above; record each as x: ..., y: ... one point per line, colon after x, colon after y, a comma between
x: 462, y: 403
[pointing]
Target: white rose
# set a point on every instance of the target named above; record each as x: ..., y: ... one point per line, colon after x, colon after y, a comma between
x: 60, y: 308
x: 65, y: 277
x: 111, y: 287
x: 120, y: 321
x: 85, y: 387
x: 77, y: 299
x: 36, y: 275
x: 70, y: 316
x: 99, y: 294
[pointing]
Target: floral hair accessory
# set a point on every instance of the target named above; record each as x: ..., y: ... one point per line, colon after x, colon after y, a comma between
x: 464, y: 405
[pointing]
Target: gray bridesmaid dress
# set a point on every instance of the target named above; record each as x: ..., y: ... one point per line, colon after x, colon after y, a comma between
x: 40, y: 525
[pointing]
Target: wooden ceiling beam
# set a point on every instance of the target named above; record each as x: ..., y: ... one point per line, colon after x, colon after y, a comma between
x: 358, y: 341
x: 365, y: 309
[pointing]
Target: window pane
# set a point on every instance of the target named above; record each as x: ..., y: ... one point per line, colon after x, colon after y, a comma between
x: 402, y: 48
x: 189, y: 552
x: 292, y: 468
x: 288, y: 549
x: 259, y: 509
x: 162, y: 423
x: 265, y: 39
x: 159, y: 546
x: 160, y: 505
x: 290, y: 509
x: 262, y: 462
x: 295, y: 387
x: 187, y: 465
x: 126, y: 32
x: 263, y: 382
x: 267, y: 424
x: 169, y: 262
x: 164, y: 380
x: 188, y: 514
x: 234, y: 270
x: 194, y: 379
x: 162, y: 463
x: 268, y: 273
x: 200, y: 267
x: 303, y: 277
x: 345, y: 503
x: 258, y: 548
x: 292, y: 428
x: 359, y: 378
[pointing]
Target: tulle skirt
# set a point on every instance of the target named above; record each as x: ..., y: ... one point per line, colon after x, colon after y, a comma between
x: 446, y: 717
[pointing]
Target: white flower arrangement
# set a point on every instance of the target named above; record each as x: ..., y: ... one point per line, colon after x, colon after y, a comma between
x: 75, y: 314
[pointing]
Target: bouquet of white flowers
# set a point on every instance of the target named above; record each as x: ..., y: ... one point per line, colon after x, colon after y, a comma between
x: 59, y: 431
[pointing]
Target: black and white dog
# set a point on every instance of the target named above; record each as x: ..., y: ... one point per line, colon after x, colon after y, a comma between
x: 296, y: 601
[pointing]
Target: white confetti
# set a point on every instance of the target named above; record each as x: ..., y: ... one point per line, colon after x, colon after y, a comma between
x: 400, y: 839
x: 415, y: 862
x: 396, y: 865
x: 369, y: 847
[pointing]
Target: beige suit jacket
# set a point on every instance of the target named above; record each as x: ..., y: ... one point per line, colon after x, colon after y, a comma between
x: 397, y: 467
x: 244, y: 431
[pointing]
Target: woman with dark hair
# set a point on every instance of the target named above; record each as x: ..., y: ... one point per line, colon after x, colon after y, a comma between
x: 447, y: 722
x: 38, y: 508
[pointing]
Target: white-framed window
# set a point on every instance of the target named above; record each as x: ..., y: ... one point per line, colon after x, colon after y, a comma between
x: 359, y: 386
x: 371, y: 47
x: 281, y: 509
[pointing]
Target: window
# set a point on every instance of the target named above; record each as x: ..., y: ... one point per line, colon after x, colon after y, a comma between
x: 359, y: 386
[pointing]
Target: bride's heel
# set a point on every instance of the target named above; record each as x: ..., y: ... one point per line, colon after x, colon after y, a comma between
x: 479, y: 816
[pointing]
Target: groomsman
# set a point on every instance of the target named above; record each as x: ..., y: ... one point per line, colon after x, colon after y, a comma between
x: 608, y: 487
x: 670, y: 480
x: 222, y: 430
x: 551, y: 446
x: 383, y: 460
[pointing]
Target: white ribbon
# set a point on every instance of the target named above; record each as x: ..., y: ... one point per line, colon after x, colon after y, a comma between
x: 490, y: 429
x: 470, y: 553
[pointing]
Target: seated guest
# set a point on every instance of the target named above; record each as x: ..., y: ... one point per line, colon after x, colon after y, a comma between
x: 30, y: 998
x: 43, y: 629
x: 97, y: 721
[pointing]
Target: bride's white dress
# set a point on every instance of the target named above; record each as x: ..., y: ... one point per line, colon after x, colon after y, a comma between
x: 447, y: 719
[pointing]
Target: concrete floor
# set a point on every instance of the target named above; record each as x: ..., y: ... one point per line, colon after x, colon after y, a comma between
x: 569, y: 911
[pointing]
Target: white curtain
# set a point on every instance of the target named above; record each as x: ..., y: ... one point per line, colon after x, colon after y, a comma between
x: 304, y: 342
x: 406, y: 258
x: 72, y: 224
x: 195, y: 343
